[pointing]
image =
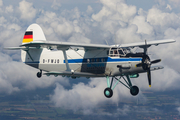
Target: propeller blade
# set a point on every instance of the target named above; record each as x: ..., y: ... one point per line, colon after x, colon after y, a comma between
x: 145, y: 48
x: 139, y: 65
x: 149, y: 77
x: 156, y: 61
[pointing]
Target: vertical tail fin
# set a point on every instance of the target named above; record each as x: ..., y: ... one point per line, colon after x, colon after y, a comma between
x: 33, y: 33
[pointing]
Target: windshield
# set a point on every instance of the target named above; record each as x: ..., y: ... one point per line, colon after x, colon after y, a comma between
x: 116, y: 52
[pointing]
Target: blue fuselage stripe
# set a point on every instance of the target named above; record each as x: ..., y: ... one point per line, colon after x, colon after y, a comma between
x: 95, y: 60
x: 32, y: 62
x: 103, y: 60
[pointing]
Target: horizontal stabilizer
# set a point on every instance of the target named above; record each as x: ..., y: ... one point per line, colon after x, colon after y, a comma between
x: 156, y: 68
x: 20, y: 48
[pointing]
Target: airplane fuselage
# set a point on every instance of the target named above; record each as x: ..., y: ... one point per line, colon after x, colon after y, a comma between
x: 96, y: 62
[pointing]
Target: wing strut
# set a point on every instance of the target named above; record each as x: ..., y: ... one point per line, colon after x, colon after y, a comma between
x: 66, y: 61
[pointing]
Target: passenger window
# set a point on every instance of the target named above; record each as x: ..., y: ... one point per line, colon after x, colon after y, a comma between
x: 97, y: 60
x: 93, y: 60
x: 88, y: 61
x: 102, y: 60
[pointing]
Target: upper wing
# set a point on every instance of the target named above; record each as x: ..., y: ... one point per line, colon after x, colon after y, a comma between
x: 146, y: 44
x: 64, y: 45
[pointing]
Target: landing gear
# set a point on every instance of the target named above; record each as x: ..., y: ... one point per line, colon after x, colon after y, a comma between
x: 134, y: 90
x: 108, y: 92
x: 39, y: 74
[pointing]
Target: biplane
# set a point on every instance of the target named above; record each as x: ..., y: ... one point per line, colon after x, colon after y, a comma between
x: 75, y: 60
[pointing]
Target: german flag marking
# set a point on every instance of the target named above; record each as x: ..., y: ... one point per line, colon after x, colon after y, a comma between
x: 29, y: 33
x: 28, y: 37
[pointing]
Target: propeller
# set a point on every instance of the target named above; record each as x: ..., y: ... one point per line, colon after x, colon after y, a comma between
x: 149, y: 77
x: 146, y: 63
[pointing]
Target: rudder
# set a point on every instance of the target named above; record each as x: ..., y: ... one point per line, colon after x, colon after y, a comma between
x: 32, y: 56
x: 33, y: 33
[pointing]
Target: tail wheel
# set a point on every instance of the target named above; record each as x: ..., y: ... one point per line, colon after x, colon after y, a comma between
x: 134, y: 90
x: 108, y: 92
x: 39, y: 74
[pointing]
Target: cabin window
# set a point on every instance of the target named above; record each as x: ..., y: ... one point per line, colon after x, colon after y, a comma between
x: 93, y: 60
x: 111, y: 52
x: 102, y: 60
x: 116, y: 52
x: 121, y: 52
x: 97, y: 60
x: 88, y: 61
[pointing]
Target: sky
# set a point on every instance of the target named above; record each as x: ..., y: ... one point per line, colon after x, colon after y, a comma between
x: 95, y: 21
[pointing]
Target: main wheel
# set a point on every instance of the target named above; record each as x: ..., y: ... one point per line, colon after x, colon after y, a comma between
x: 108, y: 92
x: 39, y: 74
x: 134, y: 90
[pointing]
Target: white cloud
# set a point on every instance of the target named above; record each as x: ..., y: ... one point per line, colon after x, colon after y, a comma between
x: 162, y: 19
x: 143, y: 26
x: 27, y: 11
x: 15, y: 77
x: 87, y: 97
x: 127, y: 35
x: 115, y: 10
x: 1, y: 2
x: 175, y: 2
x: 56, y: 4
x: 169, y: 7
x: 89, y: 10
x: 9, y: 9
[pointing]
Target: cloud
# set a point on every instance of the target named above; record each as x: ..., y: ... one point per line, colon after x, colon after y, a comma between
x: 128, y: 35
x: 88, y: 97
x: 89, y: 10
x: 1, y: 2
x: 27, y: 11
x: 143, y: 26
x: 16, y: 76
x: 56, y: 5
x: 115, y: 10
x: 175, y: 2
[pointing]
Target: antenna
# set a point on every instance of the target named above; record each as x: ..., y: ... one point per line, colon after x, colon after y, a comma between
x: 106, y: 42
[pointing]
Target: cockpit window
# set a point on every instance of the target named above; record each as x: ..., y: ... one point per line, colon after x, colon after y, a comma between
x: 121, y: 52
x: 116, y: 52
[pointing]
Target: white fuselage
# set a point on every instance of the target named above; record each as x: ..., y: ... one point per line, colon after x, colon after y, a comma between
x: 96, y: 62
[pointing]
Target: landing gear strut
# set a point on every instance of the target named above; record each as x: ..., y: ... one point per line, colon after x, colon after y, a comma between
x: 108, y: 92
x: 39, y: 74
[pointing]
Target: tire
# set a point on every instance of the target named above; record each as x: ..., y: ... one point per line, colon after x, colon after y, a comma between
x: 108, y: 92
x: 134, y: 90
x: 39, y: 74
